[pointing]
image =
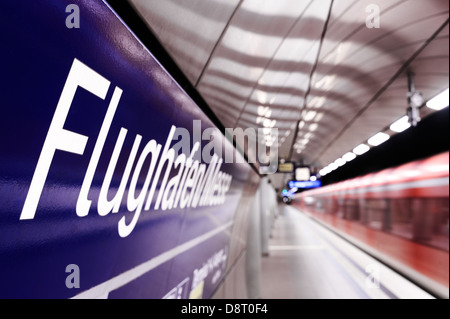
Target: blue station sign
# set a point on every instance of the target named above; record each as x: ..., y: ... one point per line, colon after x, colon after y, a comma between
x: 108, y: 188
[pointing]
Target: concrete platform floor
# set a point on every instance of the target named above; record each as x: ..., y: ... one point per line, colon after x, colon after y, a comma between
x: 308, y: 261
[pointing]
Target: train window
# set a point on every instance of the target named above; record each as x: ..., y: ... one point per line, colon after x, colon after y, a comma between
x: 351, y: 209
x: 363, y: 216
x: 331, y: 206
x: 430, y: 222
x: 308, y: 202
x: 401, y: 217
x: 424, y: 220
x: 377, y: 214
x: 340, y: 207
x: 319, y: 207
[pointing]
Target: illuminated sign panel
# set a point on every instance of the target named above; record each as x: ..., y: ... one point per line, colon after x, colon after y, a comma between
x: 286, y: 167
x: 305, y: 184
x: 302, y: 174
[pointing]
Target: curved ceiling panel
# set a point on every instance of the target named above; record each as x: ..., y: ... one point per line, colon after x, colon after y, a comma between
x: 189, y: 30
x: 318, y: 71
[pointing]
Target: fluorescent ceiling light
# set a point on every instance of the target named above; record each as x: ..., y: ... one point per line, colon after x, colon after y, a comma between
x: 340, y: 162
x: 319, y: 117
x: 333, y: 166
x: 349, y: 157
x: 378, y: 139
x: 401, y: 125
x: 325, y: 171
x: 304, y: 141
x: 309, y: 116
x: 439, y: 102
x: 361, y: 149
x: 313, y: 127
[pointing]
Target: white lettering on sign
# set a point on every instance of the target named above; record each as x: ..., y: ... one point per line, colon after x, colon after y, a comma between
x: 195, y: 183
x: 213, y: 263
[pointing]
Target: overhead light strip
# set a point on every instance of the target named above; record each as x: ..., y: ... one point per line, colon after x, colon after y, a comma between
x: 439, y: 102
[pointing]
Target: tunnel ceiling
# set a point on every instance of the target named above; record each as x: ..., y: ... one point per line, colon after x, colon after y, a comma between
x: 312, y: 69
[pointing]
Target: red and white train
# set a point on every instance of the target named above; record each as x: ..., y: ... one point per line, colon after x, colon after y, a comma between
x: 399, y: 215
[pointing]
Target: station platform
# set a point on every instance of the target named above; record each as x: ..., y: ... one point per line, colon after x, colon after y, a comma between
x: 308, y: 261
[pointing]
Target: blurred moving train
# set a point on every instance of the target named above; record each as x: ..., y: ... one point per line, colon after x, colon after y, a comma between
x: 399, y: 215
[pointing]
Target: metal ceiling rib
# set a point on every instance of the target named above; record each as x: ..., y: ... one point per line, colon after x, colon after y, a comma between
x: 264, y: 64
x: 384, y: 106
x: 246, y: 54
x: 189, y: 30
x: 389, y: 102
